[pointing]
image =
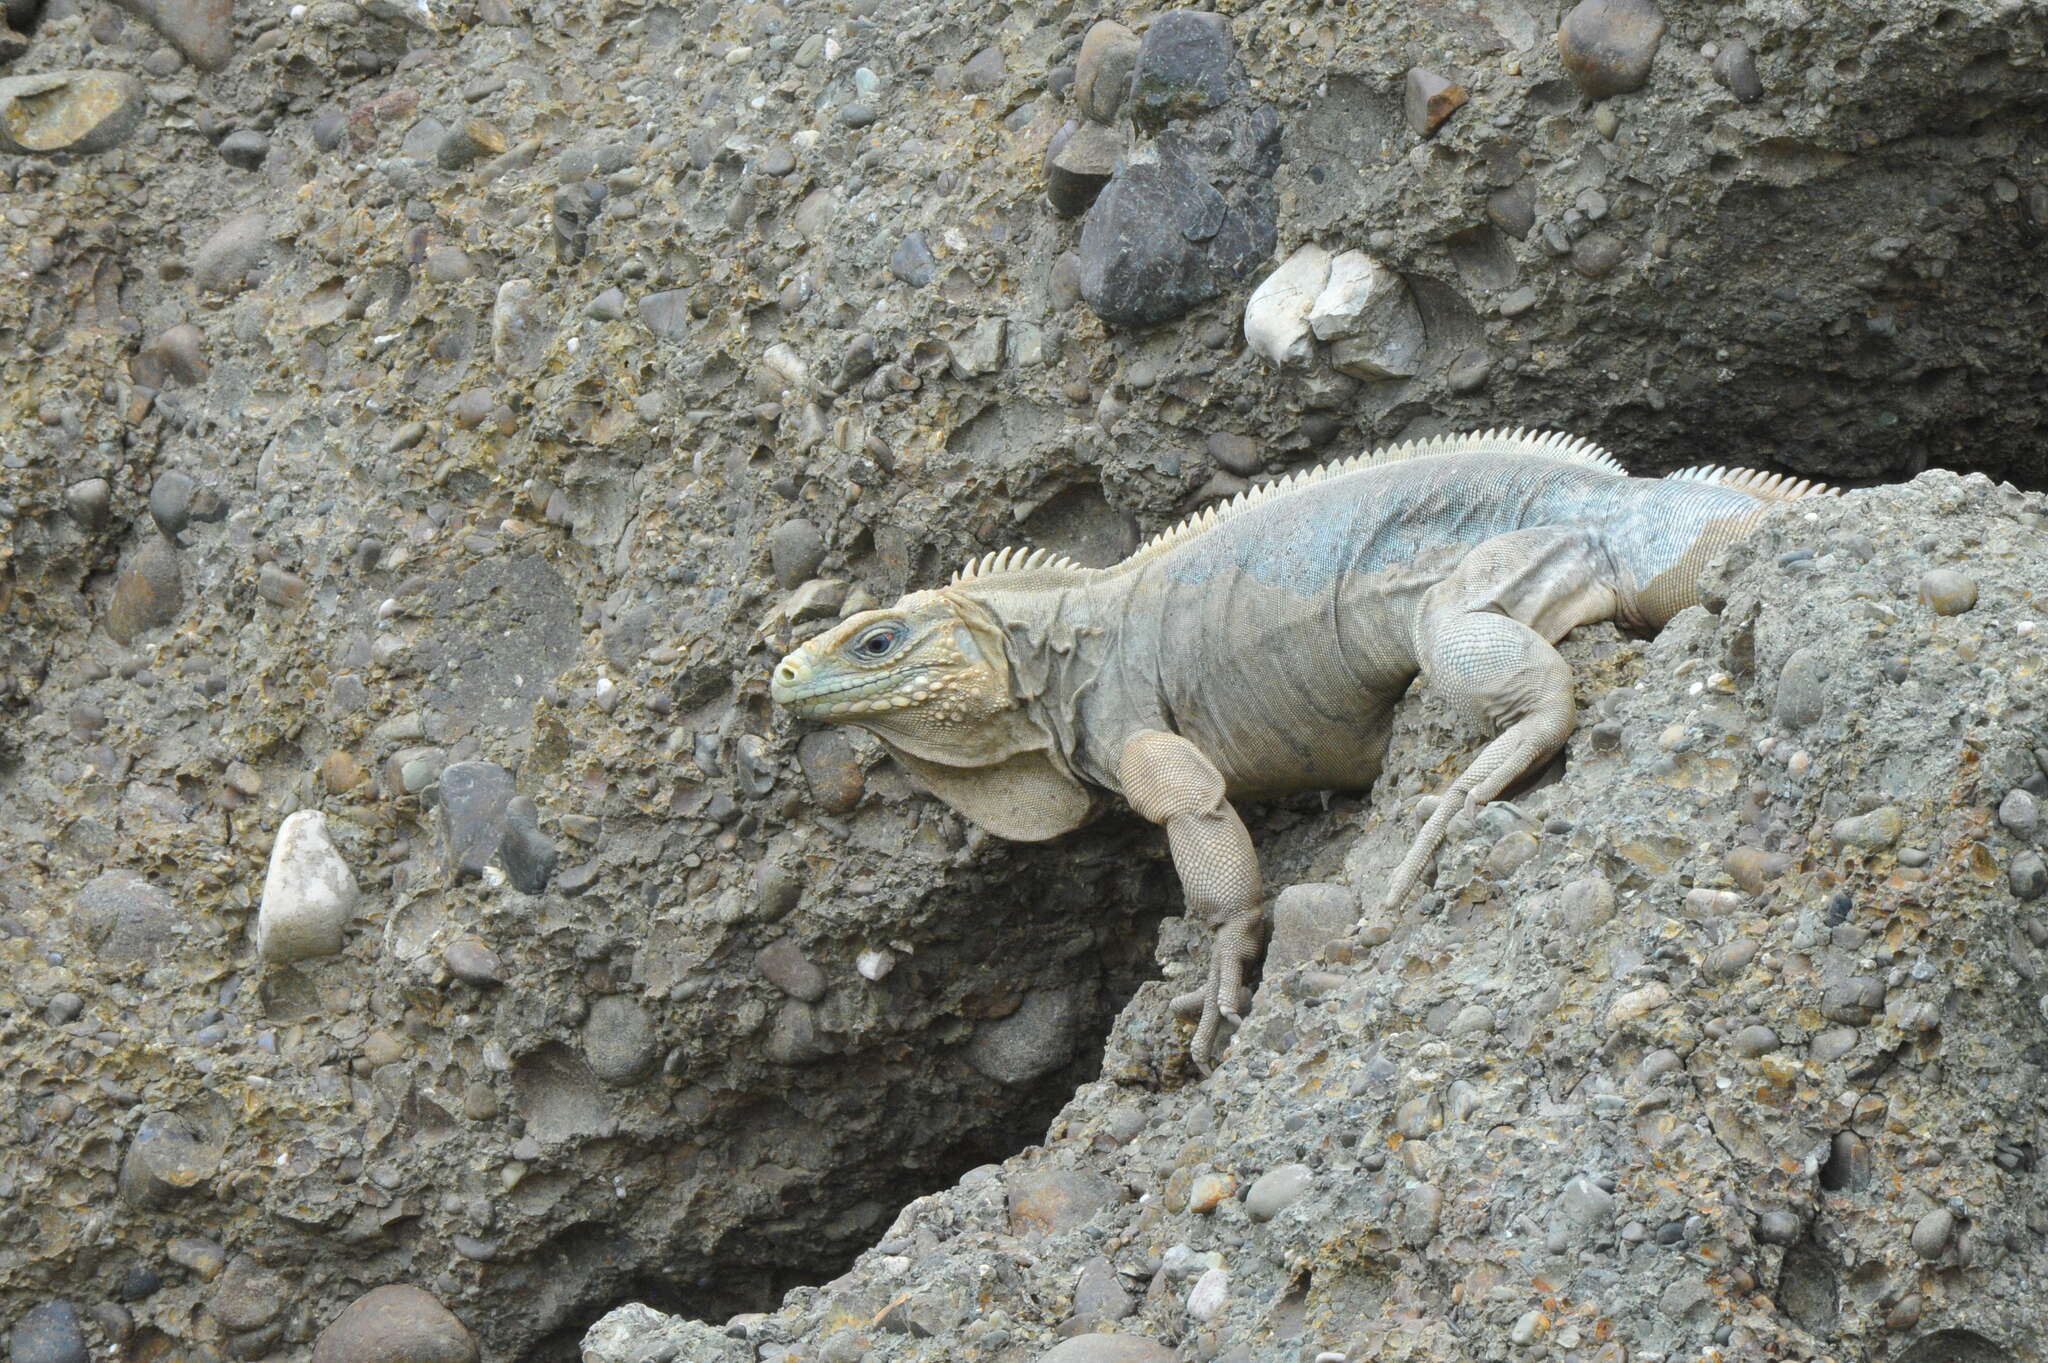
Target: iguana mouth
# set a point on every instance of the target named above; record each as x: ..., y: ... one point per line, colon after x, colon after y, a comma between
x: 788, y: 688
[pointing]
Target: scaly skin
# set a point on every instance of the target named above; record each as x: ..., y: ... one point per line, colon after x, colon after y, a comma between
x: 1260, y: 648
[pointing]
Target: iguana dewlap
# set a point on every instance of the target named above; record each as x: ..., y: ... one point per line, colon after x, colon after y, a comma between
x: 1260, y: 647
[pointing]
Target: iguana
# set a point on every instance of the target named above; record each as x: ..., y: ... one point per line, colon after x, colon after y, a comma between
x: 1260, y: 647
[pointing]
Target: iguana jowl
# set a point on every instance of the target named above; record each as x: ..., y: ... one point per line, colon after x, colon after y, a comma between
x: 1260, y: 647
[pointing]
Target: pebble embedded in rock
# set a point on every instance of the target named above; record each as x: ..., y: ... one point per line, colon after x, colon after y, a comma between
x: 1609, y: 45
x: 520, y: 333
x: 1832, y: 1044
x: 620, y: 1040
x: 1779, y: 1227
x: 80, y: 112
x: 1102, y: 73
x: 1369, y: 316
x: 48, y: 1333
x: 1429, y: 99
x: 89, y: 502
x: 1276, y: 1190
x: 1030, y: 1043
x: 1853, y: 1002
x: 203, y: 30
x: 1100, y: 1297
x: 474, y: 799
x: 1596, y: 255
x: 148, y: 592
x: 1143, y: 244
x: 1079, y: 166
x: 832, y: 770
x: 470, y: 960
x: 1209, y: 1295
x: 912, y: 261
x: 1208, y: 1191
x: 1305, y: 918
x: 248, y: 1296
x: 225, y: 261
x: 2028, y: 876
x: 1753, y: 868
x: 1185, y: 67
x: 167, y: 1158
x: 177, y: 354
x: 1735, y: 68
x: 1931, y: 1233
x: 1512, y: 210
x: 1754, y: 1040
x: 1469, y: 371
x: 1873, y: 832
x: 245, y: 149
x: 1108, y: 1349
x: 2020, y: 813
x: 1053, y: 1201
x: 1276, y: 316
x: 309, y: 893
x: 397, y: 1323
x: 666, y: 314
x: 1947, y: 592
x: 795, y: 550
x: 467, y: 142
x: 784, y: 965
x: 528, y: 855
x: 170, y: 502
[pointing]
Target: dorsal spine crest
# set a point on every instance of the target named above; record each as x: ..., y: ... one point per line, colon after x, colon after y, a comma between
x: 1559, y: 445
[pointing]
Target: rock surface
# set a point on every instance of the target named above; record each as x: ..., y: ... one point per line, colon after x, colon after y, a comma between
x: 1647, y: 1147
x: 554, y: 367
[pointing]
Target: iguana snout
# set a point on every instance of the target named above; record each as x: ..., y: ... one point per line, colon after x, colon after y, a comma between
x: 919, y: 669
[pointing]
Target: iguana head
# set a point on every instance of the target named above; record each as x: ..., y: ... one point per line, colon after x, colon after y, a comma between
x: 930, y: 677
x: 927, y: 674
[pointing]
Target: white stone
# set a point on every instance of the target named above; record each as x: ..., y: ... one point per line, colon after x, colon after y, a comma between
x: 873, y: 965
x: 1211, y: 1292
x: 309, y: 893
x: 1366, y: 310
x: 1276, y: 321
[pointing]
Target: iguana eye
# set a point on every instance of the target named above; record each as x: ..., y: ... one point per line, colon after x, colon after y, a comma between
x: 878, y: 642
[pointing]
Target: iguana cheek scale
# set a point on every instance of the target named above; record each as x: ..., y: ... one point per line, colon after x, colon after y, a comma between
x: 1260, y: 647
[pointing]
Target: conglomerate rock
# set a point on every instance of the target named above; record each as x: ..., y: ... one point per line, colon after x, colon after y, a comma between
x: 513, y: 382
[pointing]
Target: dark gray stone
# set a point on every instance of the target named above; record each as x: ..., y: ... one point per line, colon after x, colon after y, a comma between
x: 245, y: 149
x: 1078, y: 165
x: 796, y: 548
x: 125, y: 918
x: 1140, y: 262
x: 170, y: 502
x: 474, y: 797
x: 1735, y: 68
x: 1186, y: 66
x: 912, y: 261
x: 1032, y: 1042
x: 48, y: 1334
x: 528, y: 855
x: 620, y: 1040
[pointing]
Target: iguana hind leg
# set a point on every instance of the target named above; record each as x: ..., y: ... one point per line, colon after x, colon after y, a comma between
x: 1503, y: 671
x: 1169, y: 781
x: 1484, y: 638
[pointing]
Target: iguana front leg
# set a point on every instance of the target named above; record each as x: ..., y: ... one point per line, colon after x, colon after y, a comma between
x: 1169, y: 781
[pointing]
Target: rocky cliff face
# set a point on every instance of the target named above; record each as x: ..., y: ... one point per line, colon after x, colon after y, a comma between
x: 435, y: 418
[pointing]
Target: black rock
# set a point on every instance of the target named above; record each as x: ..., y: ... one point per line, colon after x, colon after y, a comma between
x: 1142, y: 254
x: 526, y: 853
x: 170, y: 502
x: 912, y: 261
x: 1078, y: 165
x: 474, y: 796
x: 246, y: 149
x: 1186, y: 66
x: 49, y: 1334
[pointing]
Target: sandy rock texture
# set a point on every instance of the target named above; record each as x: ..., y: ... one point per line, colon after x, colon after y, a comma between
x: 438, y: 416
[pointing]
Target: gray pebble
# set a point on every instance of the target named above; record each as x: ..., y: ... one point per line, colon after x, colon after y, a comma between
x: 170, y: 502
x: 1754, y: 1040
x: 246, y: 149
x: 1609, y: 45
x: 63, y: 1008
x: 474, y: 796
x: 1832, y: 1044
x: 912, y: 261
x: 2028, y: 876
x: 796, y: 548
x: 608, y: 306
x: 1102, y: 72
x: 1778, y: 1227
x: 2020, y: 813
x: 1854, y: 1002
x: 1596, y: 255
x: 784, y: 965
x: 469, y: 959
x: 1735, y: 68
x: 620, y: 1040
x: 48, y: 1334
x: 88, y: 502
x: 1931, y: 1233
x: 1276, y: 1190
x: 1947, y: 592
